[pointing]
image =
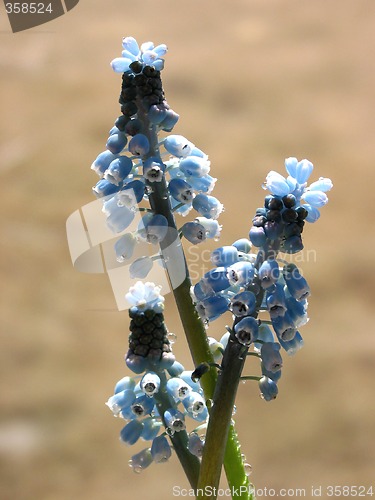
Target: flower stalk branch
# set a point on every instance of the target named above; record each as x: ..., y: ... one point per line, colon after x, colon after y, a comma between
x: 193, y: 326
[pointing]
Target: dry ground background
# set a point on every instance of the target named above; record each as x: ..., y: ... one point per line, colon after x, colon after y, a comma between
x: 254, y: 82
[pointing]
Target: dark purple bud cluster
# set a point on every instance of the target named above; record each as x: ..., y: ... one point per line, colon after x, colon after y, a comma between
x: 148, y: 340
x: 279, y: 220
x: 142, y: 88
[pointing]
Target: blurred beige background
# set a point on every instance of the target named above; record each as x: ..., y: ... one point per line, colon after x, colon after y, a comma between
x: 254, y: 82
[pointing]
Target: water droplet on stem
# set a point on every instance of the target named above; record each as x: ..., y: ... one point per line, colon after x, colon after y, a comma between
x: 248, y: 469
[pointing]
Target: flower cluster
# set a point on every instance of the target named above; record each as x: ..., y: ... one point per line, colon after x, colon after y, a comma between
x: 145, y: 55
x: 141, y: 173
x: 291, y: 203
x: 149, y: 347
x: 190, y: 186
x: 248, y: 283
x: 156, y: 403
x: 132, y: 167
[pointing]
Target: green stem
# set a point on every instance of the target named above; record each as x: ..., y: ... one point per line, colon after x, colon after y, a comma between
x: 180, y: 205
x: 237, y: 478
x: 189, y: 462
x: 255, y: 354
x: 219, y: 424
x: 193, y: 326
x: 219, y: 430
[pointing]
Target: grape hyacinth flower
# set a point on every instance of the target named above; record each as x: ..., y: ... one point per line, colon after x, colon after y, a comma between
x: 147, y: 170
x: 247, y: 283
x: 162, y: 398
x: 134, y: 170
x: 291, y: 203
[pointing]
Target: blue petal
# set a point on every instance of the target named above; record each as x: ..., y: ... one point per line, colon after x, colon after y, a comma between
x: 241, y: 273
x: 129, y: 43
x: 160, y: 449
x: 141, y: 460
x: 147, y: 46
x: 174, y: 420
x: 290, y: 165
x: 140, y: 267
x: 133, y: 190
x: 271, y: 357
x: 195, y: 166
x: 102, y: 162
x: 264, y: 334
x: 296, y: 284
x: 212, y: 307
x: 313, y: 213
x: 292, y: 183
x: 284, y: 327
x: 178, y: 146
x: 242, y: 245
x: 124, y: 384
x: 104, y: 188
x: 207, y: 205
x: 156, y: 114
x: 257, y: 236
x: 246, y: 330
x: 294, y: 345
x: 195, y: 445
x: 303, y: 171
x: 124, y: 247
x: 316, y: 199
x: 150, y: 429
x: 176, y: 369
x: 121, y: 400
x: 128, y: 55
x: 150, y: 385
x: 156, y: 229
x: 139, y: 145
x: 224, y: 256
x: 116, y: 143
x: 194, y: 232
x: 118, y: 217
x: 203, y: 184
x: 121, y: 64
x: 159, y: 65
x: 276, y: 301
x: 243, y: 303
x: 131, y: 432
x: 217, y: 279
x: 149, y: 56
x: 180, y: 190
x: 178, y: 388
x: 161, y: 49
x: 268, y: 273
x: 277, y: 184
x: 323, y: 184
x: 171, y: 118
x: 118, y: 169
x: 268, y: 389
x: 211, y: 226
